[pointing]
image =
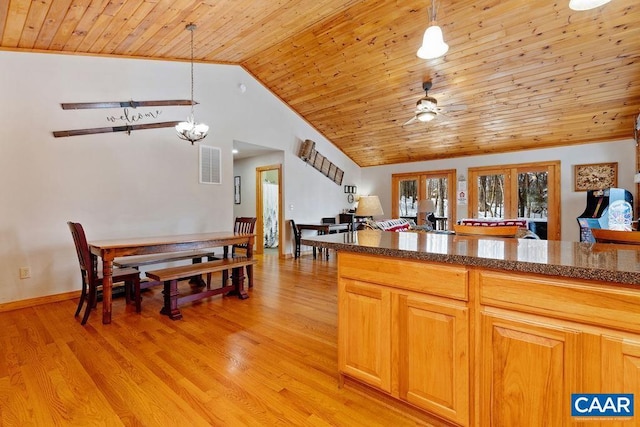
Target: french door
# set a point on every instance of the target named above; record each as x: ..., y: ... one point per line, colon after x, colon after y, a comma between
x: 409, y: 190
x: 530, y: 191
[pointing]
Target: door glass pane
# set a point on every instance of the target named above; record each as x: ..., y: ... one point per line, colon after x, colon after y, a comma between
x: 437, y: 192
x: 532, y: 195
x: 408, y: 195
x: 491, y: 196
x: 532, y: 200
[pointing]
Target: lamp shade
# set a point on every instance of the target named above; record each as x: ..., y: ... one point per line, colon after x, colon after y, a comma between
x: 433, y: 45
x: 369, y: 206
x: 586, y: 4
x: 426, y: 205
x: 369, y: 237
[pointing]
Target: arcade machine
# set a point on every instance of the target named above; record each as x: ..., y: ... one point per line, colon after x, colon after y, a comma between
x: 611, y: 208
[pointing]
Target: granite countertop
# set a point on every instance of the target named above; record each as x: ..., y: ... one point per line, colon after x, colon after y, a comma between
x: 591, y: 261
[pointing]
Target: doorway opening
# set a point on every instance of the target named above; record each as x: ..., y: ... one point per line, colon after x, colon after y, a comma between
x: 269, y: 210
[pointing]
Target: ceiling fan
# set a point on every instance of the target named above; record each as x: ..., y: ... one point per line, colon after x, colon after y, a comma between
x: 427, y: 107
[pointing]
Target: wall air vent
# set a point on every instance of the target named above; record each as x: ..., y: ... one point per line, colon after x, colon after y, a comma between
x: 210, y: 165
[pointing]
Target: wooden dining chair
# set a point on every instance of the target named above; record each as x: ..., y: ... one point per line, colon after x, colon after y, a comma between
x: 328, y: 220
x: 616, y: 236
x: 92, y: 278
x: 243, y: 224
x: 297, y: 235
x: 477, y: 230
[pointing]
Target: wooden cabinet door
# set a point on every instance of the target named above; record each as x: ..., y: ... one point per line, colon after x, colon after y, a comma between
x: 528, y: 372
x: 621, y: 370
x: 364, y: 332
x: 433, y: 356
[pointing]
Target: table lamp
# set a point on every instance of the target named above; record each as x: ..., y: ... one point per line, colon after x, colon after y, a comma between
x: 426, y: 207
x: 369, y: 206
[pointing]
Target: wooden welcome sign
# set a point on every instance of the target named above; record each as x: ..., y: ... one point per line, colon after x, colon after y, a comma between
x: 128, y: 117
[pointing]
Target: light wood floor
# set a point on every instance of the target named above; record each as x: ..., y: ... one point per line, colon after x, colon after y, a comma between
x: 268, y: 360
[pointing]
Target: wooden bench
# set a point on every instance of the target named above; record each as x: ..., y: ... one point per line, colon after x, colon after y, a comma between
x: 141, y: 260
x: 171, y: 275
x: 161, y: 258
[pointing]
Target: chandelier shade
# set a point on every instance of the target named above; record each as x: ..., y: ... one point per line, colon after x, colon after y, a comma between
x: 190, y: 130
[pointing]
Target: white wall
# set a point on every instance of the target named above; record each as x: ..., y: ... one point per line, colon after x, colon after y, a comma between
x: 316, y: 196
x: 118, y: 185
x: 377, y: 180
x: 246, y: 169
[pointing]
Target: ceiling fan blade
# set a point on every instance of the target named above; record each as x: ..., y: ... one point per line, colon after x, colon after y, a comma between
x: 459, y: 107
x: 411, y: 120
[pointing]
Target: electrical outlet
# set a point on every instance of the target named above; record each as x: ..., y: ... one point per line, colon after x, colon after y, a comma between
x: 25, y: 272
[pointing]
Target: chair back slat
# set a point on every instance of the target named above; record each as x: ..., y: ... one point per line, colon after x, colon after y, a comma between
x: 82, y: 249
x: 244, y: 224
x: 296, y: 230
x: 297, y: 236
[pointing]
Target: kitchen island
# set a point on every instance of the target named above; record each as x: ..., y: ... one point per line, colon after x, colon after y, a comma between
x: 487, y: 331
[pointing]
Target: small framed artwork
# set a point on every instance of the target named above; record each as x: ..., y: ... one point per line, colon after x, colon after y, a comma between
x: 595, y: 176
x: 236, y: 190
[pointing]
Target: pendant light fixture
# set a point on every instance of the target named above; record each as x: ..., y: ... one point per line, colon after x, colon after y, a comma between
x: 190, y: 130
x: 586, y: 4
x: 433, y: 45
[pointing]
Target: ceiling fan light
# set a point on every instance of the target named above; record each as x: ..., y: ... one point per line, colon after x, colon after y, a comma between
x: 433, y: 45
x: 426, y: 116
x: 586, y: 4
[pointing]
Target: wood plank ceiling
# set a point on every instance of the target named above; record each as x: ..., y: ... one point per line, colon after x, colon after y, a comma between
x: 531, y: 74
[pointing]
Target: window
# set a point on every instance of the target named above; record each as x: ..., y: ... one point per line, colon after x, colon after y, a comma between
x: 530, y: 191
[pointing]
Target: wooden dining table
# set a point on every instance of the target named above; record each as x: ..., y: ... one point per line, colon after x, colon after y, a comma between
x: 325, y: 228
x: 108, y: 250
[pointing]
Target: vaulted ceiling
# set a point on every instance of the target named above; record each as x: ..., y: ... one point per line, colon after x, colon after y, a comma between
x: 529, y: 74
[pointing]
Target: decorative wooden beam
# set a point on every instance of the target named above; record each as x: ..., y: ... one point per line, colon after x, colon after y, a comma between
x: 126, y: 128
x: 124, y: 104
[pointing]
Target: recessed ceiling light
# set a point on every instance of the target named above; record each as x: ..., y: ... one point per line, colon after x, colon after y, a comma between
x: 234, y: 151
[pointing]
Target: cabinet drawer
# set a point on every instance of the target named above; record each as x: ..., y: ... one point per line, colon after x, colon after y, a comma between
x: 588, y: 302
x: 429, y: 278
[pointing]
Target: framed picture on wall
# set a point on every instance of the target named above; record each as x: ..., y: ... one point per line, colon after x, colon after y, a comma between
x: 236, y: 190
x: 595, y: 176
